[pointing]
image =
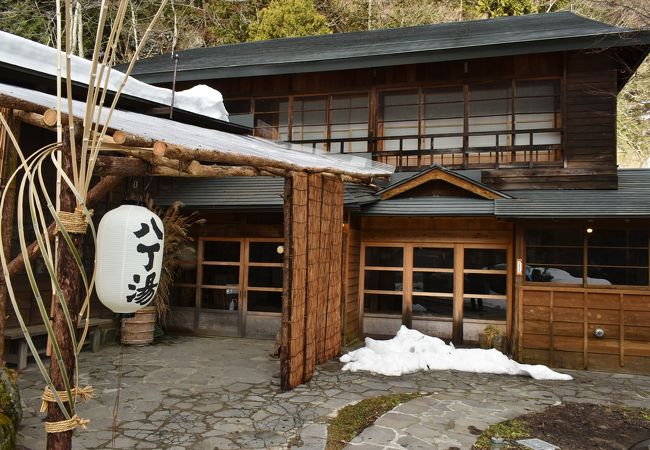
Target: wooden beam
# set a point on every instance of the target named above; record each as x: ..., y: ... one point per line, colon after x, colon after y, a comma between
x: 44, y: 120
x: 146, y: 164
x: 130, y: 140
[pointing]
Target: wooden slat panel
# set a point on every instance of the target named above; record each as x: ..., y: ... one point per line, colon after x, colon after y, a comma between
x: 638, y: 333
x: 536, y: 313
x: 568, y: 299
x: 637, y: 348
x: 568, y: 314
x: 568, y: 343
x: 638, y: 318
x: 567, y: 329
x: 604, y: 346
x: 600, y: 300
x: 333, y: 188
x: 537, y: 327
x: 537, y: 341
x: 315, y: 183
x: 323, y: 271
x: 568, y: 360
x: 636, y: 302
x: 603, y: 316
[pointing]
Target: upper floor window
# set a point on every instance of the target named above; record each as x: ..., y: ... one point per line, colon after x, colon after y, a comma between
x: 335, y: 123
x: 480, y: 125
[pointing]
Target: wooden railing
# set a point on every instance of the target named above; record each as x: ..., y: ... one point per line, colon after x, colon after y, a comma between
x: 417, y: 151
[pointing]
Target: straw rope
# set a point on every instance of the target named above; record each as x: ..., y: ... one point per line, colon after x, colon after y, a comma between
x: 66, y: 425
x: 74, y: 222
x: 84, y: 393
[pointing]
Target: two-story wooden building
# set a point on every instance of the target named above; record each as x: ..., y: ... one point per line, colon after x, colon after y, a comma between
x: 508, y: 208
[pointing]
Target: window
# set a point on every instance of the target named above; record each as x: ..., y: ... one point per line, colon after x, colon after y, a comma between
x: 613, y: 256
x: 309, y: 120
x: 383, y: 280
x: 315, y: 121
x: 485, y: 277
x: 349, y: 120
x: 271, y: 118
x: 512, y: 122
x: 617, y: 257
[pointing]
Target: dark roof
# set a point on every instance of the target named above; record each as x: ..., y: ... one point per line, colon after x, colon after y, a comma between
x: 431, y: 206
x: 259, y: 193
x: 631, y: 199
x: 535, y: 33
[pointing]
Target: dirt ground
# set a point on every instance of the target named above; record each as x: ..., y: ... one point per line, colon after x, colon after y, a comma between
x: 580, y: 426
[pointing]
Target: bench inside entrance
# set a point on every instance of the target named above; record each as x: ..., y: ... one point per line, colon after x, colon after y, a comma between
x: 18, y: 350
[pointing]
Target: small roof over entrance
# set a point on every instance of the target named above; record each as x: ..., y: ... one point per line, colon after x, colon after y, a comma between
x: 436, y: 173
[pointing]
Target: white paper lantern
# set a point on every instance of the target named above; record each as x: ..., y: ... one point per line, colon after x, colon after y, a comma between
x: 128, y: 258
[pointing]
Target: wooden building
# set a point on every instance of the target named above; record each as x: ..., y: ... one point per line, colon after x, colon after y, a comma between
x: 508, y: 208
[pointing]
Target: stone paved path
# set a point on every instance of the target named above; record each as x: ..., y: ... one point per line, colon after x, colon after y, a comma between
x: 209, y: 393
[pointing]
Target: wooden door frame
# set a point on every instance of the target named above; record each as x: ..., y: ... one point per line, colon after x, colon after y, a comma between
x: 459, y: 268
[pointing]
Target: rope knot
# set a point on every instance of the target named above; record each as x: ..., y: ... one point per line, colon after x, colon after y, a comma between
x: 74, y: 222
x: 66, y: 425
x: 82, y: 394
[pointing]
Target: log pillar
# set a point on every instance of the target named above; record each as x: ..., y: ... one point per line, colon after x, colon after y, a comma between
x: 69, y: 277
x: 9, y: 163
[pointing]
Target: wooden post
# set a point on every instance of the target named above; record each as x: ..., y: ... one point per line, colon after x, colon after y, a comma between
x: 9, y: 163
x: 69, y: 277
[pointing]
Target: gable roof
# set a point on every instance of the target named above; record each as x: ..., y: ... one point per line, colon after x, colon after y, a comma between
x: 534, y: 33
x: 435, y: 173
x: 630, y: 200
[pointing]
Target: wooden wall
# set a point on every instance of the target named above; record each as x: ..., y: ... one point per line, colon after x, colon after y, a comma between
x: 557, y: 327
x: 590, y: 89
x: 364, y: 80
x: 351, y: 328
x: 440, y: 229
x: 589, y: 84
x: 311, y: 301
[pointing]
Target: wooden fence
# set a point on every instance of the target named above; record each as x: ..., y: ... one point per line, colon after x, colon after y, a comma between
x: 311, y: 303
x: 558, y: 326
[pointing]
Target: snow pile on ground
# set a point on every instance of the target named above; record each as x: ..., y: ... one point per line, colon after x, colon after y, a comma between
x: 28, y: 54
x: 410, y: 351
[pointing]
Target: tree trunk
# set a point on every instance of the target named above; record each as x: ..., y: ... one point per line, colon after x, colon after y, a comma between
x: 69, y: 277
x: 10, y: 162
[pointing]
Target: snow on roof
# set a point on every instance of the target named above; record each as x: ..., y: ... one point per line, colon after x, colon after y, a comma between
x: 175, y: 133
x: 40, y: 58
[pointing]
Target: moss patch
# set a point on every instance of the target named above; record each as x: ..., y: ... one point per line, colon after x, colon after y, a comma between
x: 510, y: 429
x: 353, y: 419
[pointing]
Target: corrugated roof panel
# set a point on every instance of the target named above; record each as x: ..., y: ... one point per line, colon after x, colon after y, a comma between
x: 243, y: 193
x: 631, y: 199
x: 431, y: 206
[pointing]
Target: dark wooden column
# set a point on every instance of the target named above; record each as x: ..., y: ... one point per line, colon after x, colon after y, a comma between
x: 69, y: 277
x: 9, y: 163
